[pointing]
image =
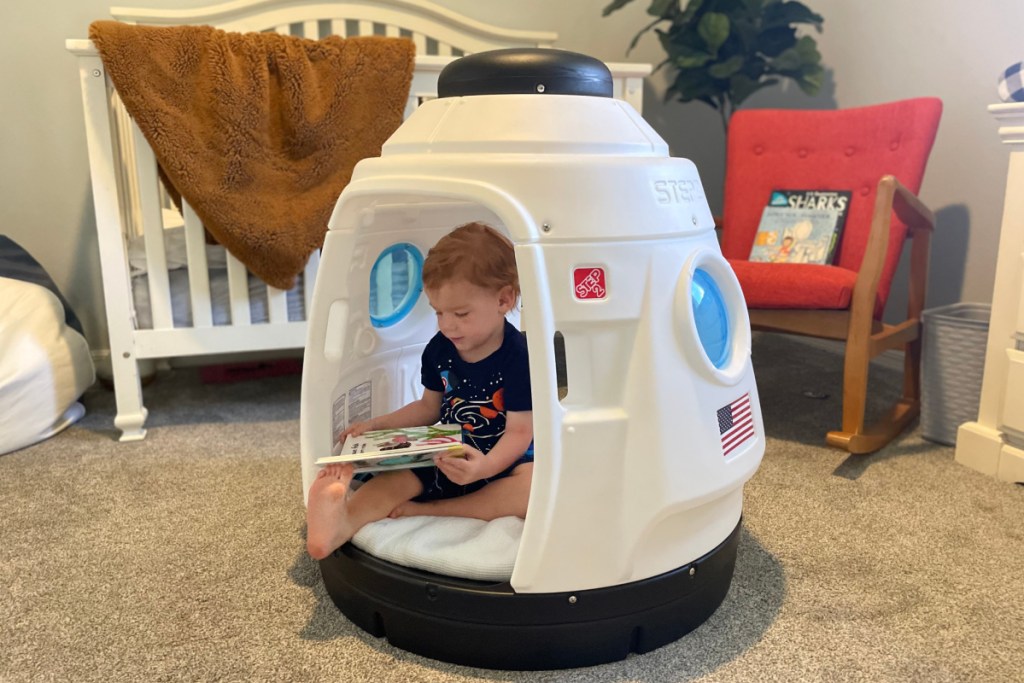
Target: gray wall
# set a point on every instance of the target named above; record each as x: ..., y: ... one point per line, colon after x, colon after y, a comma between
x: 874, y: 50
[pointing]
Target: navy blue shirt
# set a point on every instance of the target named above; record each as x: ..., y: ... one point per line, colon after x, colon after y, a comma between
x: 477, y: 395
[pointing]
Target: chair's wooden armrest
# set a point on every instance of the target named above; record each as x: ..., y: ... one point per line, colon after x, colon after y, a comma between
x: 891, y: 196
x: 910, y: 209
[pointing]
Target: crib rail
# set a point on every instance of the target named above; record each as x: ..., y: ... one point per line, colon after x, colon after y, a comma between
x: 420, y: 20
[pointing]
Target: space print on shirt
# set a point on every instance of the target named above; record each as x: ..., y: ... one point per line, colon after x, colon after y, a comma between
x: 479, y: 409
x: 478, y: 395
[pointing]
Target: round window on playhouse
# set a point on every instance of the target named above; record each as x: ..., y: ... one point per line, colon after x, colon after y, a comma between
x: 395, y: 284
x: 711, y: 317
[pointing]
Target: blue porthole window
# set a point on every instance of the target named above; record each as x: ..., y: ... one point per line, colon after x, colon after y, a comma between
x: 712, y: 318
x: 395, y: 284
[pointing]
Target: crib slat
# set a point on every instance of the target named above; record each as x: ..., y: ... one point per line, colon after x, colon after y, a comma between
x: 277, y: 305
x: 128, y: 188
x: 198, y: 275
x: 392, y: 31
x: 365, y: 27
x: 152, y: 231
x: 238, y: 292
x: 421, y: 43
x: 309, y: 281
x: 310, y: 30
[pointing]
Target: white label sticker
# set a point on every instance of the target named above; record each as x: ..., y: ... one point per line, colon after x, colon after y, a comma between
x: 338, y: 422
x: 360, y: 403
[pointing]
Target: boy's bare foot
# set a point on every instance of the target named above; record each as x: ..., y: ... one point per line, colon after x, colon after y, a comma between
x: 327, y: 525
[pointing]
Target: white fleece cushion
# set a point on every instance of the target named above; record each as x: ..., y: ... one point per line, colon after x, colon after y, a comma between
x: 44, y: 366
x: 452, y: 546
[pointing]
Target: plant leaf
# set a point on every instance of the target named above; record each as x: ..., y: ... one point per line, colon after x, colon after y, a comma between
x: 714, y: 29
x: 688, y: 58
x: 614, y: 5
x: 692, y: 84
x: 743, y: 87
x: 788, y: 60
x: 772, y: 42
x: 808, y: 50
x: 727, y: 68
x: 667, y: 44
x: 790, y: 12
x: 691, y: 10
x: 811, y: 80
x: 658, y: 8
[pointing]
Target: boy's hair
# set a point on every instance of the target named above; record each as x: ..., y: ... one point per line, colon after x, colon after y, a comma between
x: 476, y: 253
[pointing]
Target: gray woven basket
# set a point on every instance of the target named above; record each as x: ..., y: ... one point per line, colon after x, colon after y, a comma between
x: 952, y: 366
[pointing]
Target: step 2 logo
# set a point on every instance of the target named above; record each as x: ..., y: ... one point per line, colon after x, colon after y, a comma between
x: 589, y: 283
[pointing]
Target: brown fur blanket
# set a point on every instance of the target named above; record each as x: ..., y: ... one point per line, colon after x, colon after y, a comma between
x: 259, y: 132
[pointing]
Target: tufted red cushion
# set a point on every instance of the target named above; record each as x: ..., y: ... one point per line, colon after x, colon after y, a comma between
x: 844, y: 149
x: 794, y: 285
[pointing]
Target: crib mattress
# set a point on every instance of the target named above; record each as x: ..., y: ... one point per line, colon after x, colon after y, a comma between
x: 220, y: 299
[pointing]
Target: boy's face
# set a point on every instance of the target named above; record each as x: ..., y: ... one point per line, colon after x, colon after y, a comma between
x: 471, y: 317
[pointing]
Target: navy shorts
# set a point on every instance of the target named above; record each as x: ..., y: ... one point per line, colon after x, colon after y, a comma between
x: 436, y: 486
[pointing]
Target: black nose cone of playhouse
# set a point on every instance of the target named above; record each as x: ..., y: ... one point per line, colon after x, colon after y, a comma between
x: 525, y: 71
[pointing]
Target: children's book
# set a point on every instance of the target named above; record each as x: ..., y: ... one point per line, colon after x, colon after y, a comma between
x: 395, y: 449
x: 801, y: 226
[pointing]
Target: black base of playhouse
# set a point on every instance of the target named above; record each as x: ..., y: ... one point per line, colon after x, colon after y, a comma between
x: 489, y: 625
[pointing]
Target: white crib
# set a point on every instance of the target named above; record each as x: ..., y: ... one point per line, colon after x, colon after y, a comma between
x: 200, y: 300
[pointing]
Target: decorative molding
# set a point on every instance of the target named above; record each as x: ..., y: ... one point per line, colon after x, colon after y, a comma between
x: 1011, y: 121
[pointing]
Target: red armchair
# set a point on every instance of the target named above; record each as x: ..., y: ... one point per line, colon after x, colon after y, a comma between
x: 879, y: 153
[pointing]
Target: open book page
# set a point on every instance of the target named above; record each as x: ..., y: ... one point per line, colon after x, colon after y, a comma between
x: 391, y: 449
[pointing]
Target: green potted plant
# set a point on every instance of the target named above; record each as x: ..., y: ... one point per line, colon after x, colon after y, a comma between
x: 723, y: 51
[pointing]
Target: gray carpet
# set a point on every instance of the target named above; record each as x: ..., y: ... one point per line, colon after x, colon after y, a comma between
x: 180, y: 558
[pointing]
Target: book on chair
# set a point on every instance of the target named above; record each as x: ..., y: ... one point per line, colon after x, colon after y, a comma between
x: 801, y: 226
x: 395, y: 449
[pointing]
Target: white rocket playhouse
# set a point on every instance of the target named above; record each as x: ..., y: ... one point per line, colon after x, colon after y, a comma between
x: 641, y: 453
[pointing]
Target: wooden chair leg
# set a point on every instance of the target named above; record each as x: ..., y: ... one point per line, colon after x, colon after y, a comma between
x: 912, y: 372
x: 855, y: 437
x: 855, y: 394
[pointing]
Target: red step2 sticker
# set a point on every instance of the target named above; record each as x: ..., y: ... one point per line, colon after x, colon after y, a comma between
x: 588, y: 283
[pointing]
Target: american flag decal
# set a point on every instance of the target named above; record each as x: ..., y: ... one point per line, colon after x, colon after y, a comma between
x: 735, y: 424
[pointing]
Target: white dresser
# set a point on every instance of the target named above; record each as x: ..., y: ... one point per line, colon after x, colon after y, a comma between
x: 994, y: 444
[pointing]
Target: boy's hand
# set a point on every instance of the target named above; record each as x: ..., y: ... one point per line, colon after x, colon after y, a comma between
x: 462, y: 468
x: 355, y: 429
